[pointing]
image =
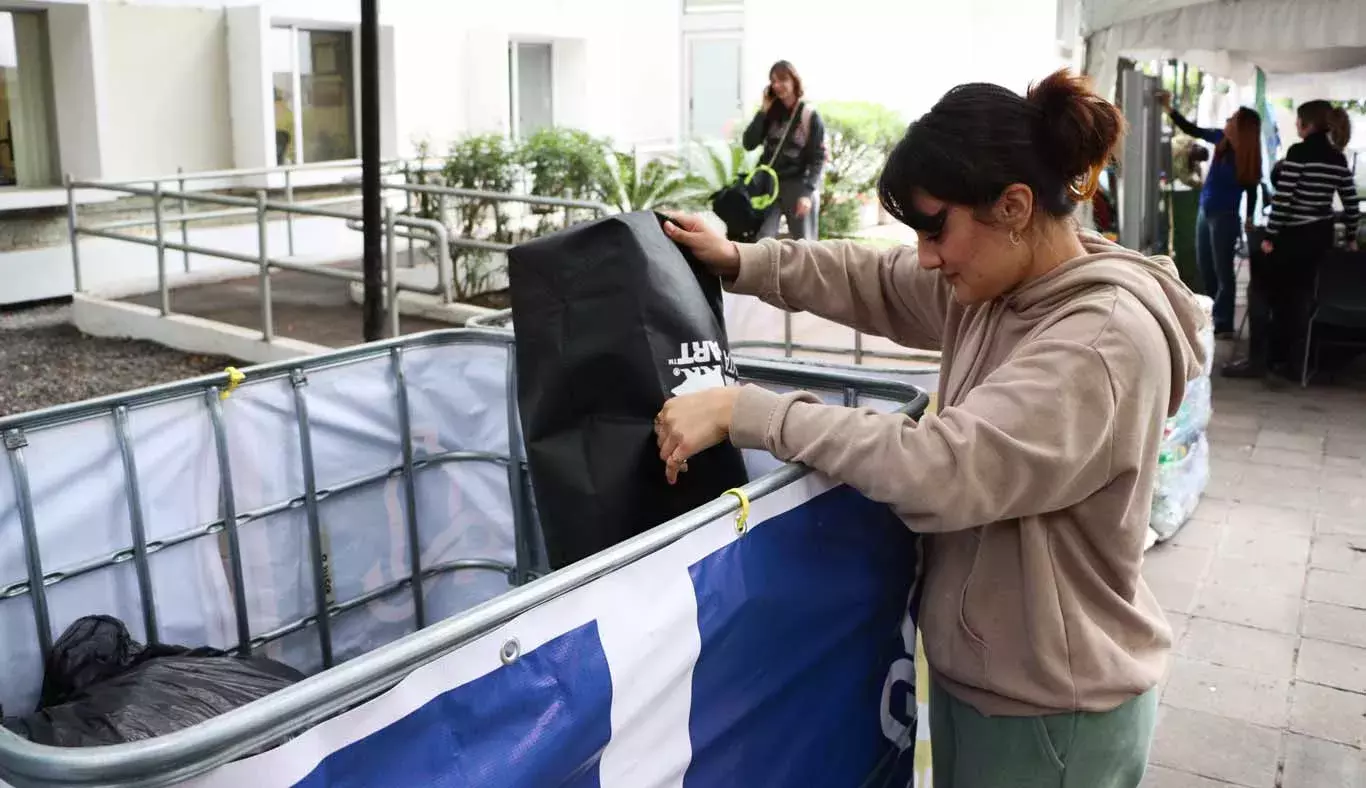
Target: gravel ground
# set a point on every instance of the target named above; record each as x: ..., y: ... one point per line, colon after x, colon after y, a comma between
x: 45, y: 361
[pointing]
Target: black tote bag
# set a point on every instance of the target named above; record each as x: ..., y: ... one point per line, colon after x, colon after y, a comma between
x: 612, y: 319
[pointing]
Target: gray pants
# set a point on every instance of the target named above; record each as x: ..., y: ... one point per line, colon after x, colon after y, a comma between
x: 802, y: 227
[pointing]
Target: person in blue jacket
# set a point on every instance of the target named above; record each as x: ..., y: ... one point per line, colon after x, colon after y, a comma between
x: 1235, y: 171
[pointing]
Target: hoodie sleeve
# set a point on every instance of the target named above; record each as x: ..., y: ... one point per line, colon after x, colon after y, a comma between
x: 885, y: 293
x: 1035, y: 436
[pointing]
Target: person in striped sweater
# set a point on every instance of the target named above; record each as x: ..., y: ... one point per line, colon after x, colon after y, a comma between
x: 1300, y: 229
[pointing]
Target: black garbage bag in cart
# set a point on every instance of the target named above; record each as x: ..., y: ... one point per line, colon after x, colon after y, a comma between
x: 102, y: 687
x: 612, y: 319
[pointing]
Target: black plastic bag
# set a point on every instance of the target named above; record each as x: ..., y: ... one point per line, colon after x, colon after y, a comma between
x: 612, y: 319
x: 102, y: 687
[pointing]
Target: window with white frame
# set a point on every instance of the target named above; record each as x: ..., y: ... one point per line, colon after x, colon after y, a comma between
x: 27, y: 152
x: 314, y: 86
x: 531, y: 74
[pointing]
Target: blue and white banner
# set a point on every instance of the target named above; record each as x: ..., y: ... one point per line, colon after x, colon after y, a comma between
x: 783, y: 657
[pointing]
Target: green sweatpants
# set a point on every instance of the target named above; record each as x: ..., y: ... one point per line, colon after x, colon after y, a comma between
x: 1079, y: 750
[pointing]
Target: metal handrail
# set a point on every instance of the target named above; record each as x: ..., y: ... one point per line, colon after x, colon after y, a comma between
x: 502, y: 320
x: 182, y: 754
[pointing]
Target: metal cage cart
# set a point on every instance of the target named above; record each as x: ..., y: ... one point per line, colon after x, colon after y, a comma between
x: 355, y: 514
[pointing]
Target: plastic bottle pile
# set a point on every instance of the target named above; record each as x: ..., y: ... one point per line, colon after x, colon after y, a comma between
x: 1183, y: 459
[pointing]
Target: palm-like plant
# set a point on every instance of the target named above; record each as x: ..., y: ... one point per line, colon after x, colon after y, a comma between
x: 723, y: 162
x: 631, y: 184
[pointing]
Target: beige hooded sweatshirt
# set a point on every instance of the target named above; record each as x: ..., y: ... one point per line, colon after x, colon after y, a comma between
x: 1034, y: 480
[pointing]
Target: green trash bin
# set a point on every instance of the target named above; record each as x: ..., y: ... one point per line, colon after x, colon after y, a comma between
x: 1185, y: 203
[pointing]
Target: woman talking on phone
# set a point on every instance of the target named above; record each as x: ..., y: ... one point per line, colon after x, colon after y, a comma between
x: 793, y: 138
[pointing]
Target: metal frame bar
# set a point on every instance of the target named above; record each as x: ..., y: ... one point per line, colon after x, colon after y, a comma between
x: 322, y: 580
x: 409, y: 487
x: 195, y: 750
x: 15, y: 443
x: 227, y: 506
x: 133, y: 492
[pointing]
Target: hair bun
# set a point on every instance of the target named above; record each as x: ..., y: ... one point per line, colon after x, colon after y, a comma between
x: 1077, y: 129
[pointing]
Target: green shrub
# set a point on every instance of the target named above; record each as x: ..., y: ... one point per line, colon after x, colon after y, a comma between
x: 485, y: 162
x: 858, y: 137
x: 565, y: 163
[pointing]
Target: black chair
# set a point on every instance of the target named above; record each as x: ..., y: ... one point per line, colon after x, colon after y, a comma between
x: 1339, y: 301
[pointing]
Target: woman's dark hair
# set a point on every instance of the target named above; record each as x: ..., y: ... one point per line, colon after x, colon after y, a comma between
x: 981, y: 138
x: 788, y: 70
x: 1246, y: 144
x: 1321, y: 115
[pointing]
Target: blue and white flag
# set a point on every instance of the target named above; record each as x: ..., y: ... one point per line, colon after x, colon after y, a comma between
x: 783, y: 657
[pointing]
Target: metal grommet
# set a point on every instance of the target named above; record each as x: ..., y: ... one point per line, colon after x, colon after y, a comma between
x: 510, y: 651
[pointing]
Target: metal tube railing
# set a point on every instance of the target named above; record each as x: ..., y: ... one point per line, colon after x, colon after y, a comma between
x: 201, y: 216
x: 502, y: 319
x: 187, y: 752
x: 410, y: 228
x: 263, y: 276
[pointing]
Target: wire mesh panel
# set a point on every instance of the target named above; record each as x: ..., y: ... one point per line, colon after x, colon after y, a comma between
x: 315, y: 514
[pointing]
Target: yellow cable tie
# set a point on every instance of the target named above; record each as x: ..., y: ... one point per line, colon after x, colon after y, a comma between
x: 235, y: 378
x: 742, y: 517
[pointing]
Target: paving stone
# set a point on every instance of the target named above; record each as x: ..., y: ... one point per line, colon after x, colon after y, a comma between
x: 1328, y: 713
x: 1176, y: 562
x: 1259, y: 517
x: 1349, y: 505
x: 1259, y: 609
x: 1260, y: 544
x: 1338, y: 588
x: 1311, y: 763
x: 1329, y: 525
x: 1332, y: 665
x: 1349, y: 465
x: 1293, y: 441
x: 1173, y: 594
x: 1210, y: 510
x: 1225, y: 418
x: 1351, y: 446
x: 1340, y: 553
x: 1236, y: 646
x: 1162, y: 777
x: 1335, y: 480
x: 1222, y: 488
x: 1199, y: 533
x: 1259, y: 491
x: 1283, y: 458
x: 1275, y: 578
x: 1230, y: 692
x: 1282, y: 477
x: 1334, y: 623
x: 1216, y: 747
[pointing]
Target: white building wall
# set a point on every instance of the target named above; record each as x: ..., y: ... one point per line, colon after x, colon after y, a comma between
x: 904, y: 54
x: 167, y: 75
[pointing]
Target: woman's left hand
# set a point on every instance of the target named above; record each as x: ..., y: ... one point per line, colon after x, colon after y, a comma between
x: 691, y: 424
x: 1268, y: 247
x: 803, y: 206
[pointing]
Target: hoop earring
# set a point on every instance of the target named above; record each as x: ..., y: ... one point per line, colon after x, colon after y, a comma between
x: 1015, y: 238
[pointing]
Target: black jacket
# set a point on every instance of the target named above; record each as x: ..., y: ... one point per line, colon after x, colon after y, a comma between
x: 803, y: 155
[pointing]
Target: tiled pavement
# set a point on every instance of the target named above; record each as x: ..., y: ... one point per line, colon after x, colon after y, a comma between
x: 1266, y: 590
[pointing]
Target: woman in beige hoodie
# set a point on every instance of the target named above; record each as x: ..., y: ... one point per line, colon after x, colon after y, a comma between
x: 1062, y: 356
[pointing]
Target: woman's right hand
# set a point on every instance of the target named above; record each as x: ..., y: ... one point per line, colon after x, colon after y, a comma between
x: 710, y: 247
x: 1164, y: 99
x: 767, y: 103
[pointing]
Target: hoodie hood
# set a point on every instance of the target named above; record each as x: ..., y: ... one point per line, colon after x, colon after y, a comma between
x: 1154, y: 281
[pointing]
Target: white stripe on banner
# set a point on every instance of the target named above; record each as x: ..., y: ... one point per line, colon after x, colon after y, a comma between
x: 646, y: 615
